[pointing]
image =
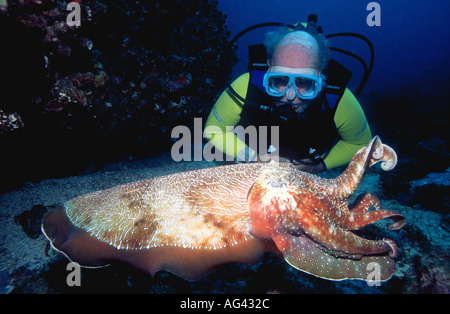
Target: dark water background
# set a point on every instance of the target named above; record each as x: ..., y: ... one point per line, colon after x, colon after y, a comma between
x: 411, y: 45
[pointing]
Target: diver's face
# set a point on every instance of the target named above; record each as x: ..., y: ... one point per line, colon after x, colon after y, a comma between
x: 294, y: 58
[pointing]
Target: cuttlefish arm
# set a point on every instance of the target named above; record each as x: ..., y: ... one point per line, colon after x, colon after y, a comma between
x: 309, y: 220
x: 186, y: 223
x: 375, y: 152
x: 343, y: 186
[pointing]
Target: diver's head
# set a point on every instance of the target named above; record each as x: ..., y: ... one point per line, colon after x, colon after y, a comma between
x: 295, y: 65
x: 296, y: 50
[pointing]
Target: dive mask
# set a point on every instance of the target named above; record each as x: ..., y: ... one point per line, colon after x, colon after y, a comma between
x: 305, y: 86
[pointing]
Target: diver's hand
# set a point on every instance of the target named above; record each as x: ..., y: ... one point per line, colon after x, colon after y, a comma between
x: 306, y: 166
x: 302, y: 164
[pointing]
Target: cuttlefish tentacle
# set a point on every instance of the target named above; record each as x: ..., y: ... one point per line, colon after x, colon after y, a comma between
x: 292, y: 206
x: 394, y: 249
x: 359, y: 215
x: 345, y: 185
x: 331, y: 235
x: 363, y: 203
x: 277, y: 209
x: 357, y: 221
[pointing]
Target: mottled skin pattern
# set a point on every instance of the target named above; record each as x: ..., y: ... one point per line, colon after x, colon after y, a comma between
x: 190, y: 222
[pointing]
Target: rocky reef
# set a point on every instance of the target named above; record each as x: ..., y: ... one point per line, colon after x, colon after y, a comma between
x: 112, y: 87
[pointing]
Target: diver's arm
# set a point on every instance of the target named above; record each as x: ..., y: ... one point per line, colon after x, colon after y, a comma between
x: 226, y: 113
x: 353, y: 129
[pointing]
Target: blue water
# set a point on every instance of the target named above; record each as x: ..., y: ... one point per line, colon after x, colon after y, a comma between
x: 411, y: 46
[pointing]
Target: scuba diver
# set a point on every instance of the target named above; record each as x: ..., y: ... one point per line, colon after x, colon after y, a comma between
x: 293, y: 84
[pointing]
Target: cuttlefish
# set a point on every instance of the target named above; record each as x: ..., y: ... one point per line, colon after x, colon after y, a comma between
x: 190, y: 222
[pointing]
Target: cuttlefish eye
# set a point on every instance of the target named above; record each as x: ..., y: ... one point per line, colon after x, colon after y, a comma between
x: 275, y: 184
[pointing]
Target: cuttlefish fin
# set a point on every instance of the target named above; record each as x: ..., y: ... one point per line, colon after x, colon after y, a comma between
x: 76, y: 245
x: 310, y: 257
x: 88, y: 251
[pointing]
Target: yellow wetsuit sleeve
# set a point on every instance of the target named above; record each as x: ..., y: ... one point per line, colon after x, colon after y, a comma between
x: 349, y: 119
x: 352, y: 126
x: 226, y: 112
